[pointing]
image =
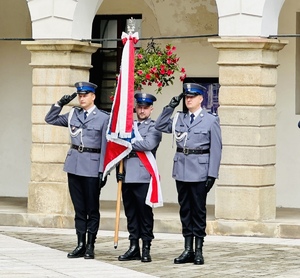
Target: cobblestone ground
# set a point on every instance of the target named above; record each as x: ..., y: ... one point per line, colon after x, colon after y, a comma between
x: 223, y: 258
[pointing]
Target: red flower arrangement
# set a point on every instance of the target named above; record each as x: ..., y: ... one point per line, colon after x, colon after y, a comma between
x: 156, y: 66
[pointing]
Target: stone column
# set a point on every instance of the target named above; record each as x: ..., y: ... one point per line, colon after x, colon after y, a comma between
x: 57, y: 65
x: 248, y: 76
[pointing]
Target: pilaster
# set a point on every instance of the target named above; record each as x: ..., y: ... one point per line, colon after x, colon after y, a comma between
x: 248, y: 76
x: 56, y: 66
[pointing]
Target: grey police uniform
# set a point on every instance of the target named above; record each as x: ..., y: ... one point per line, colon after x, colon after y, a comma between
x: 134, y: 168
x: 135, y: 187
x: 83, y: 164
x: 203, y: 135
x: 87, y: 163
x: 197, y: 157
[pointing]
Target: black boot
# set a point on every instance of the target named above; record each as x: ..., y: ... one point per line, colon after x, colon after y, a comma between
x: 198, y: 250
x: 79, y: 251
x: 146, y: 257
x: 90, y: 246
x: 133, y: 253
x: 187, y: 255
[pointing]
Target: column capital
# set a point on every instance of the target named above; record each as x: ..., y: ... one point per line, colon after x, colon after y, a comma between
x: 61, y: 45
x: 248, y: 43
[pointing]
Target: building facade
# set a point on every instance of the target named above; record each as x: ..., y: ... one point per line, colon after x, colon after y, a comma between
x: 236, y: 43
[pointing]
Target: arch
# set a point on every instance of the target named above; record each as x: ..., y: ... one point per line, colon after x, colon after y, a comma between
x: 69, y: 19
x: 256, y: 18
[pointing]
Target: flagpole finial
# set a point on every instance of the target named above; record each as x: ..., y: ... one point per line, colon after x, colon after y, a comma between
x: 131, y: 26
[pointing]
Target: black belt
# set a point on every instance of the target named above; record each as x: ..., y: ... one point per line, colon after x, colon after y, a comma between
x: 132, y: 154
x: 85, y: 149
x: 191, y: 151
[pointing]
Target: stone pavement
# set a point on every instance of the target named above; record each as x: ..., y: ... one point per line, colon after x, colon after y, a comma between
x: 42, y: 252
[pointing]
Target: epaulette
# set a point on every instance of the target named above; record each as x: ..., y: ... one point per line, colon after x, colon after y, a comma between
x: 212, y: 113
x: 185, y: 113
x: 105, y: 112
x: 77, y: 107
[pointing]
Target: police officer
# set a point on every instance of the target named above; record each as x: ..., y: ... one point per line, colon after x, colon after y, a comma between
x: 196, y: 164
x: 136, y: 181
x: 84, y: 162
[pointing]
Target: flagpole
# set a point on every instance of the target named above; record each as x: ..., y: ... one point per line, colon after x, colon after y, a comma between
x: 118, y: 207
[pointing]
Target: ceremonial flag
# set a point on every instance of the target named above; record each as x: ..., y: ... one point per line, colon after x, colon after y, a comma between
x: 119, y: 132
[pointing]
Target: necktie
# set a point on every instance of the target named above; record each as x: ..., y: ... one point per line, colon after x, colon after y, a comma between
x: 85, y: 114
x: 192, y: 118
x: 138, y: 124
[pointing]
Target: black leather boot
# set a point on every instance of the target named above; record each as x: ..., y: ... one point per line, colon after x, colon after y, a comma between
x: 133, y: 253
x: 198, y: 250
x: 90, y: 246
x: 146, y: 257
x: 187, y: 255
x: 79, y: 251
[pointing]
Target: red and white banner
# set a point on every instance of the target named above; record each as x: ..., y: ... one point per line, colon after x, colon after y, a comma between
x: 154, y: 195
x: 119, y: 132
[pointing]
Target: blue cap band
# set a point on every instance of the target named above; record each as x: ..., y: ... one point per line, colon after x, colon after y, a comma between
x: 144, y: 100
x: 194, y: 90
x: 86, y: 88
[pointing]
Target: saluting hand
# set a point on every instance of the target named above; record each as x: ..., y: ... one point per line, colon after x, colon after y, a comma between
x: 66, y: 99
x: 175, y: 100
x: 209, y: 183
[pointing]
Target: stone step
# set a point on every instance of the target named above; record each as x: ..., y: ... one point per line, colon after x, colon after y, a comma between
x: 13, y: 212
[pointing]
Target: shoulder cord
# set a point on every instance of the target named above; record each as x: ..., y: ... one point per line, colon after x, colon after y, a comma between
x: 79, y: 130
x: 177, y: 137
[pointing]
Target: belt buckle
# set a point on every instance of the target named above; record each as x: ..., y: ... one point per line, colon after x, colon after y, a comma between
x: 185, y: 151
x: 80, y: 148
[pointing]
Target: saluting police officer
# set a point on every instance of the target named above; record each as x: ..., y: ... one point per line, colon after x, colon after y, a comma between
x: 84, y: 162
x: 196, y: 164
x: 136, y: 181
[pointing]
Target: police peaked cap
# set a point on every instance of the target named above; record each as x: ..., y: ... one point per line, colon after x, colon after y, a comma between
x: 144, y: 99
x: 85, y: 87
x: 193, y: 89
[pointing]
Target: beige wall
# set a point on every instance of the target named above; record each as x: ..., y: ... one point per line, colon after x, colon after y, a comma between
x: 288, y: 134
x: 15, y: 91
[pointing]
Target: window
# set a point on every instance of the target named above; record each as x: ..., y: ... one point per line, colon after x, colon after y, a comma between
x: 106, y: 61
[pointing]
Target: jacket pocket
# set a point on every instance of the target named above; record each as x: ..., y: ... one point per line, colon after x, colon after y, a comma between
x: 93, y: 131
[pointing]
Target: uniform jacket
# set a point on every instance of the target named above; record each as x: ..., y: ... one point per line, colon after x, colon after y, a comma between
x: 93, y: 136
x: 135, y: 172
x: 203, y: 133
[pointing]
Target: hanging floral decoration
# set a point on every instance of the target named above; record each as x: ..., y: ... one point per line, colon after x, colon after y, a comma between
x: 156, y: 66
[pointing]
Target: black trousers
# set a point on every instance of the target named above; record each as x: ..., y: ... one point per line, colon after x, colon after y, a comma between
x: 139, y: 215
x: 85, y: 194
x: 192, y: 201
